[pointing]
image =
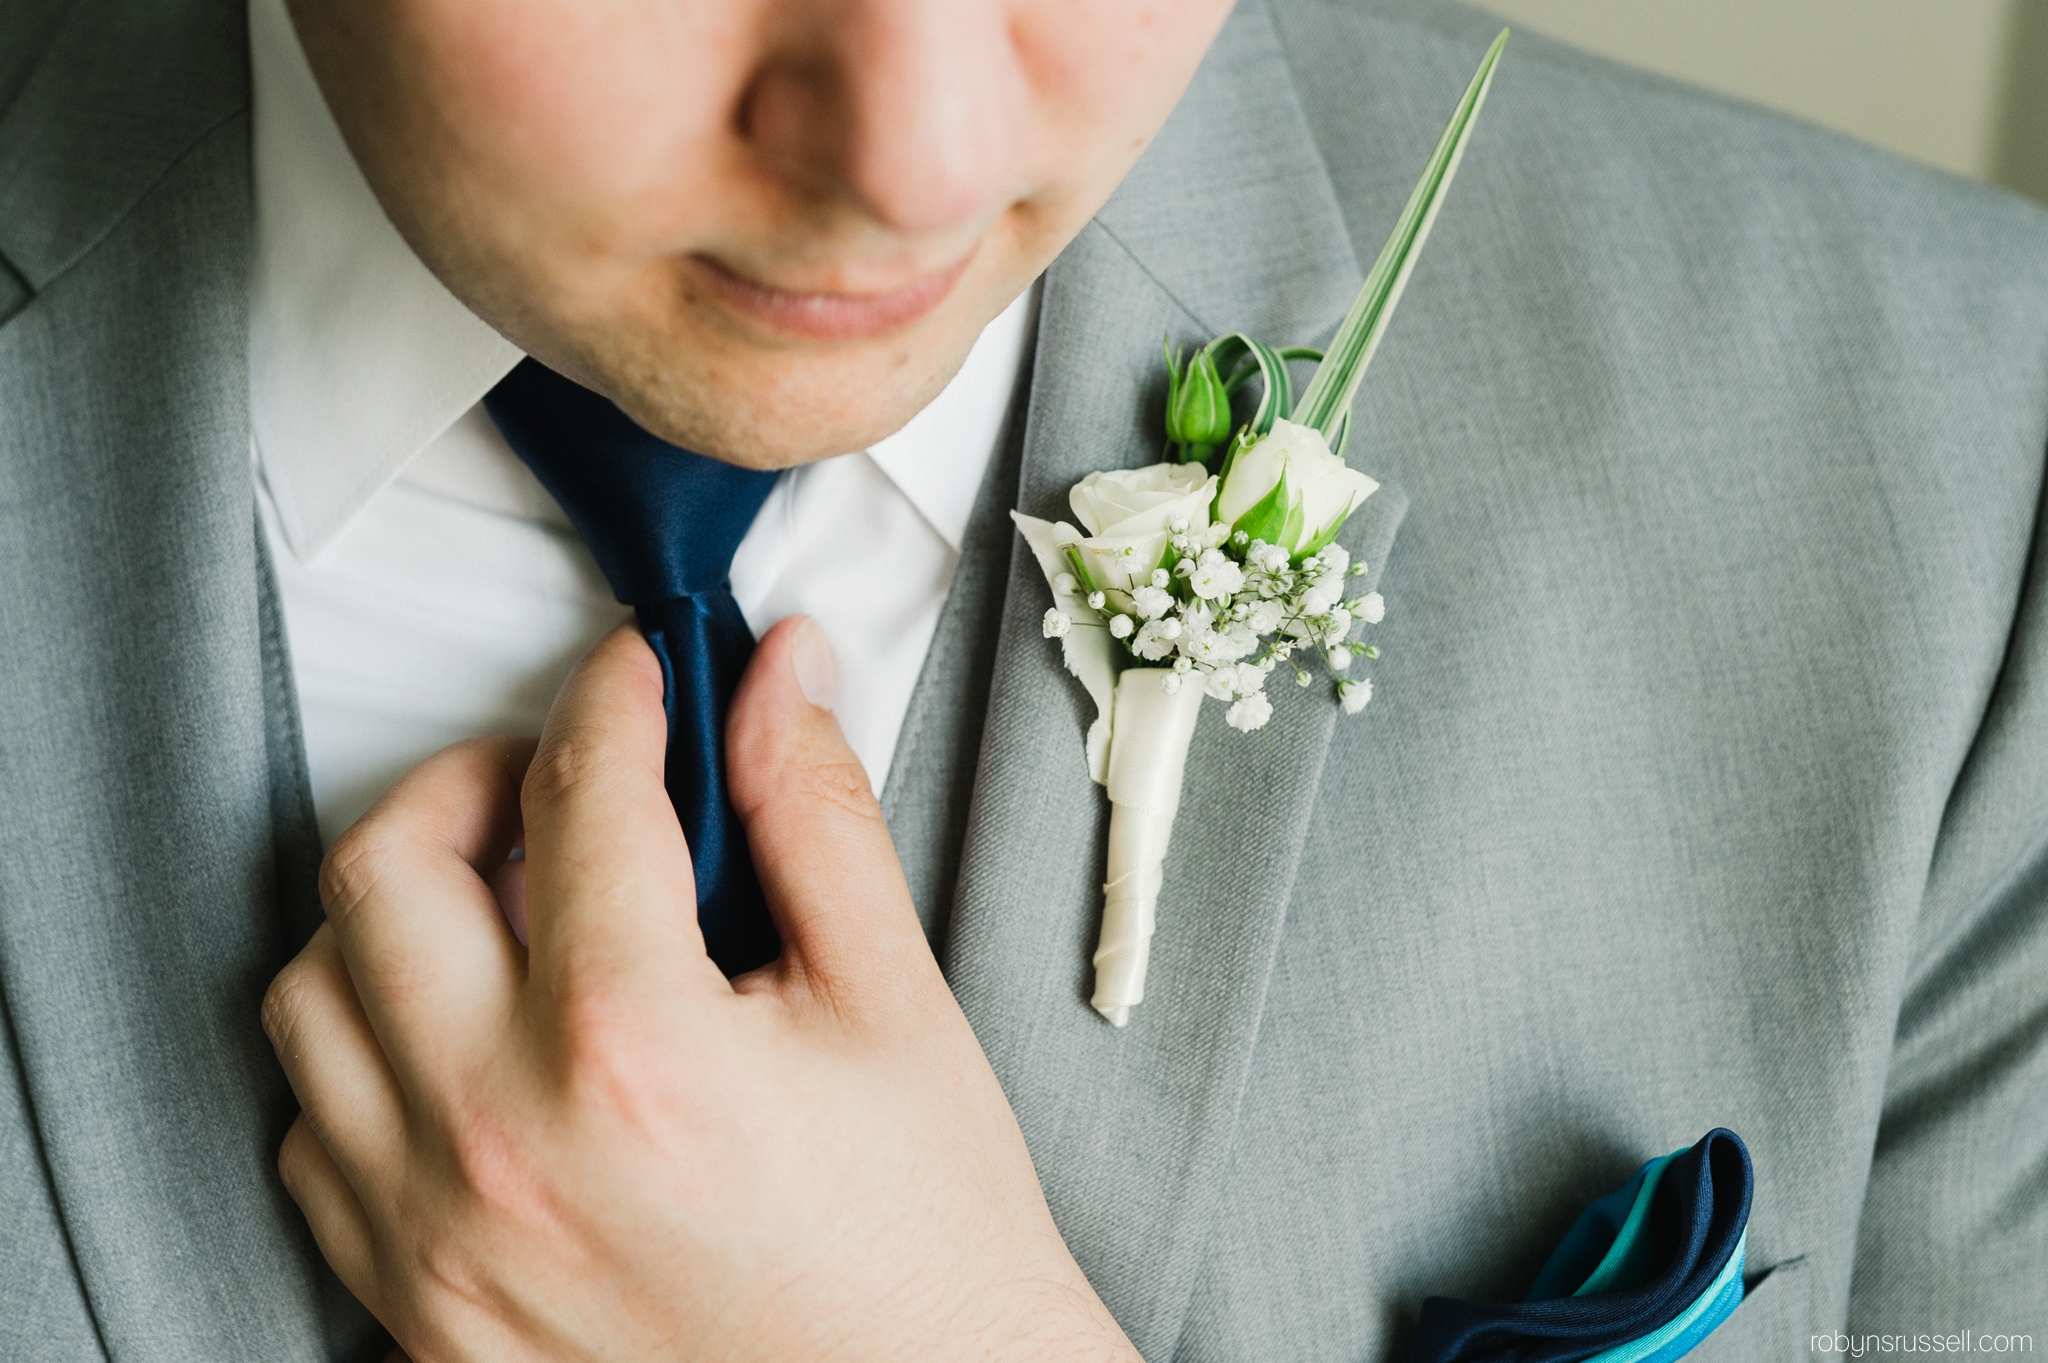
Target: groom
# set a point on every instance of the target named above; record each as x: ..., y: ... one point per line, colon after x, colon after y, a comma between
x: 1703, y: 787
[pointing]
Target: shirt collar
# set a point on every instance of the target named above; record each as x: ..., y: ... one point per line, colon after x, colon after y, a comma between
x: 359, y: 358
x: 938, y: 459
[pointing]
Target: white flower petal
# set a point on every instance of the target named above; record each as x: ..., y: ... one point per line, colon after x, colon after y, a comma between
x: 1250, y: 713
x: 1143, y: 501
x: 1318, y: 599
x: 1151, y: 602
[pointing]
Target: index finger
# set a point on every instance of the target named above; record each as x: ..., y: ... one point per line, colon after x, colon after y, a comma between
x: 427, y: 951
x: 609, y: 890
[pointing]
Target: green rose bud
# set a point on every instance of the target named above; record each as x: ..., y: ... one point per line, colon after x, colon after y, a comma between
x: 1197, y: 407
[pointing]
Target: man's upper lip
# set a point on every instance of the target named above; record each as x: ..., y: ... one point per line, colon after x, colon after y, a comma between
x: 832, y: 314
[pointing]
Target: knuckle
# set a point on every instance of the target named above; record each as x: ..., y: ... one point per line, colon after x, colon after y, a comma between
x: 353, y: 868
x: 299, y: 1156
x: 490, y: 1164
x: 842, y: 785
x: 596, y: 1030
x: 291, y: 1160
x: 451, y: 1275
x: 567, y: 759
x: 443, y: 1270
x: 284, y: 1004
x: 475, y: 754
x: 503, y: 1172
x: 606, y: 1067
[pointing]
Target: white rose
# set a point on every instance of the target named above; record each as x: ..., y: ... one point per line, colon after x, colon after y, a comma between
x: 1324, y: 487
x: 1129, y: 514
x: 1119, y: 564
x: 1143, y: 501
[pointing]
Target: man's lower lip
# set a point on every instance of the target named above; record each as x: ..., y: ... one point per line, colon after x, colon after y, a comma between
x: 829, y: 316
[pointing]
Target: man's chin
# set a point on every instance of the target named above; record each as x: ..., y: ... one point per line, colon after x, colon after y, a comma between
x: 779, y: 425
x: 769, y: 408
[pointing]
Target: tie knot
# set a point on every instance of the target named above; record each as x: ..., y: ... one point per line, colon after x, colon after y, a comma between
x: 661, y: 521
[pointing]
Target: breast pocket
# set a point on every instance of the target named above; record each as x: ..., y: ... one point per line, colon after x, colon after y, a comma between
x: 1769, y: 1327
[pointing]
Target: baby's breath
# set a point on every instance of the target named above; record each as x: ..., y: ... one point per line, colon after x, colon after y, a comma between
x: 1225, y: 610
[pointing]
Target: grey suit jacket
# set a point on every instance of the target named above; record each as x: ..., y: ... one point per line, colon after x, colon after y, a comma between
x: 1707, y: 782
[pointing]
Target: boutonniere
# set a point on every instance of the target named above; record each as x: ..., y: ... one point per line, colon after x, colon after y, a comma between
x: 1216, y: 570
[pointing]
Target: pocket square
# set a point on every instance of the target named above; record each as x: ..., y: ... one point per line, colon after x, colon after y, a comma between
x: 1642, y: 1276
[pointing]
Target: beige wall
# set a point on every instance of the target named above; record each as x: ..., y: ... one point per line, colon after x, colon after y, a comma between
x: 1962, y: 84
x: 2023, y: 140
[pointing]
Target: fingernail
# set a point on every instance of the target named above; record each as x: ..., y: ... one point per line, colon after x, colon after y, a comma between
x: 817, y: 674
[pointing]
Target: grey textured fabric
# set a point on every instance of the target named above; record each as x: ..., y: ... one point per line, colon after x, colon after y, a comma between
x: 141, y: 912
x: 1707, y: 782
x: 931, y: 773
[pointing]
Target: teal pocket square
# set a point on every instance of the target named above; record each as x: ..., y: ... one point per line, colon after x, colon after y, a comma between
x: 1642, y: 1276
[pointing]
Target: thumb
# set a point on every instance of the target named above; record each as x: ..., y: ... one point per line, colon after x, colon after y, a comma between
x: 823, y: 854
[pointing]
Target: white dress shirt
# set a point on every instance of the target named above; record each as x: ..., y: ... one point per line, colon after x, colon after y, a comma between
x: 432, y: 590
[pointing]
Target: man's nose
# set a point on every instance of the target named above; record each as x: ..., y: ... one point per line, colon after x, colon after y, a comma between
x: 915, y: 109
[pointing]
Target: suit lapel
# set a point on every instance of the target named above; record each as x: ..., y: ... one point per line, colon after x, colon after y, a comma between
x: 931, y: 775
x: 1228, y: 223
x: 148, y: 772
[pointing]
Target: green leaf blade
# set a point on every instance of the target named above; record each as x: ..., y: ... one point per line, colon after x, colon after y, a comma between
x: 1327, y: 401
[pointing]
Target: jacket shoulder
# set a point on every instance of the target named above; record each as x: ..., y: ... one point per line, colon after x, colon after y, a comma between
x: 1646, y: 165
x: 98, y: 99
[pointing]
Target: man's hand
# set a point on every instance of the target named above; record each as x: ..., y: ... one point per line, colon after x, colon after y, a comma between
x: 597, y: 1147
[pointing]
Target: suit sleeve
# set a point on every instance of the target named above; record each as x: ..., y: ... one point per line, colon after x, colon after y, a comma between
x: 1954, y: 1233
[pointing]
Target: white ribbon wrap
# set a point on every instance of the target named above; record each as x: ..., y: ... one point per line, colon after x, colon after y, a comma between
x: 1148, y: 753
x: 1138, y: 748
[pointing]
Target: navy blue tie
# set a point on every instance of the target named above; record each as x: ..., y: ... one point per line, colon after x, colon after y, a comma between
x: 663, y: 524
